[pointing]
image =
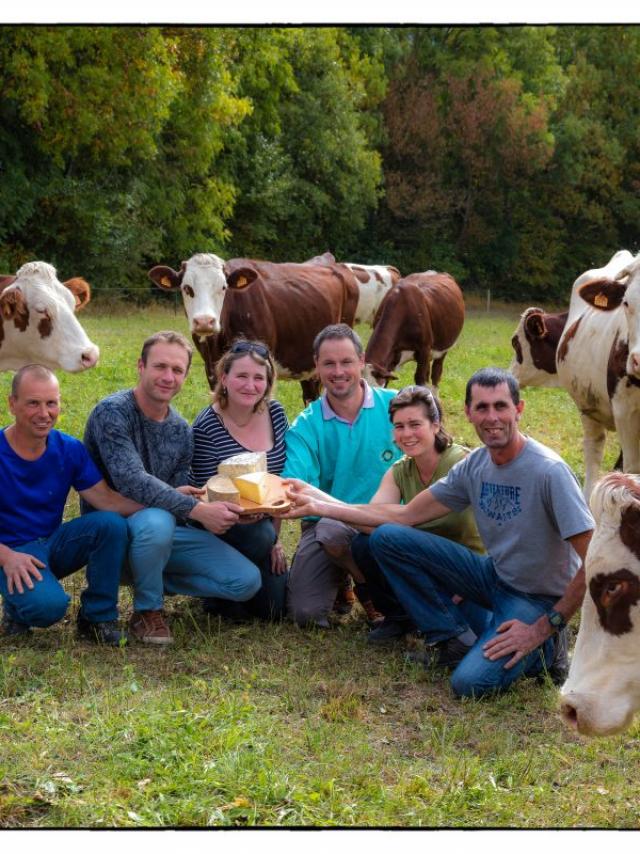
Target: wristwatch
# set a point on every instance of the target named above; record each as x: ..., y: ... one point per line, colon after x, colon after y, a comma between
x: 557, y: 621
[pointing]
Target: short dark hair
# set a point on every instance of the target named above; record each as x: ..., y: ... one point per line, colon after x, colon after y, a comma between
x: 38, y: 371
x: 490, y: 378
x: 334, y: 332
x: 166, y: 337
x: 415, y: 395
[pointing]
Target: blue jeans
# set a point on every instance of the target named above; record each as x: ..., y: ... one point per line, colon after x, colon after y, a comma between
x: 182, y: 560
x: 98, y: 541
x: 424, y: 570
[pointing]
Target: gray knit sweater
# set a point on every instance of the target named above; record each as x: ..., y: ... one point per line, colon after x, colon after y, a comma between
x: 140, y: 458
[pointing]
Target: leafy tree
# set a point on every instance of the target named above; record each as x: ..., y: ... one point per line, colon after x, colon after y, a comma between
x: 306, y: 171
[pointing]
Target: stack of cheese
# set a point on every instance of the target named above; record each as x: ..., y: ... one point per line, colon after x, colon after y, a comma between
x: 242, y: 476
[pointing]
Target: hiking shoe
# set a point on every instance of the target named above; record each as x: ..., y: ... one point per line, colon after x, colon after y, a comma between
x: 559, y: 667
x: 445, y: 655
x: 12, y: 628
x: 345, y: 600
x: 387, y: 631
x: 107, y: 633
x: 374, y: 617
x: 150, y: 627
x: 450, y: 653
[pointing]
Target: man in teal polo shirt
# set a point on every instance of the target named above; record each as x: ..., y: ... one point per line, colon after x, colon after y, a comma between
x: 341, y: 443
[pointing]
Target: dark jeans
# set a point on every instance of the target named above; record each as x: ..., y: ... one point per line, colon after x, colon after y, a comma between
x: 255, y: 542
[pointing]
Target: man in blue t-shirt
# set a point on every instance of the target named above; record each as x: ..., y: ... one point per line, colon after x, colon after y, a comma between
x: 38, y: 467
x: 536, y: 528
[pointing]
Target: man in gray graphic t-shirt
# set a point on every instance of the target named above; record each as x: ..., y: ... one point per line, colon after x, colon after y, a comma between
x: 534, y: 523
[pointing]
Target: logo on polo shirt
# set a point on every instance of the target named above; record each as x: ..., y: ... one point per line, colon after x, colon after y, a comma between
x: 499, y: 501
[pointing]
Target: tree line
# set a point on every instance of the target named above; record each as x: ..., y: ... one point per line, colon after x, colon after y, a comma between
x: 507, y: 156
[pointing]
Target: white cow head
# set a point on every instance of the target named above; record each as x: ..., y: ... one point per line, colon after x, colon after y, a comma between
x: 202, y: 282
x: 38, y: 321
x: 607, y: 294
x: 603, y: 689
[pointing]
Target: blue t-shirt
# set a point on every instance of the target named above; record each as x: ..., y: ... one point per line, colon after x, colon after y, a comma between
x: 33, y: 492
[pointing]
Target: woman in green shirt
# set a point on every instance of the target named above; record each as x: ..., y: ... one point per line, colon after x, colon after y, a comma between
x: 429, y: 453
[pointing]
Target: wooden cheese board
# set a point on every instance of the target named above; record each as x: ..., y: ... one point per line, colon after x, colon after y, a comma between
x: 275, y: 500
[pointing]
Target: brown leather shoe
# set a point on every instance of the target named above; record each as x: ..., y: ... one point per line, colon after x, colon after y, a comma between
x: 374, y: 617
x: 345, y: 600
x: 150, y: 627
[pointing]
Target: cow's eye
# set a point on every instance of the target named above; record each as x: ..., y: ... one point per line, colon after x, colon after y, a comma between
x: 625, y: 303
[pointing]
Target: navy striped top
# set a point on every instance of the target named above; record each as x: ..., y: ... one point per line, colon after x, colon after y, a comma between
x: 213, y: 443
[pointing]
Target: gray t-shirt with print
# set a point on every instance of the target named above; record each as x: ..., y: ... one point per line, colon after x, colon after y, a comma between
x: 525, y: 511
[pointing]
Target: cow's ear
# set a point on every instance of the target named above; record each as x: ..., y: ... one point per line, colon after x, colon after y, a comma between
x: 603, y: 294
x: 534, y: 324
x: 13, y: 305
x: 396, y: 275
x: 241, y: 278
x: 165, y: 277
x: 81, y: 291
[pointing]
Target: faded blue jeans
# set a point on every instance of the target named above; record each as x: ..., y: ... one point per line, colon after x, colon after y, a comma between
x: 175, y: 559
x: 98, y: 540
x: 424, y: 570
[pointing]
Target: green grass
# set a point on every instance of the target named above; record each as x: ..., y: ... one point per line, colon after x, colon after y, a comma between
x: 244, y: 725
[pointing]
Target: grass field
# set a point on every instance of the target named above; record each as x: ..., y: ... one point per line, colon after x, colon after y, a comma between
x: 244, y: 725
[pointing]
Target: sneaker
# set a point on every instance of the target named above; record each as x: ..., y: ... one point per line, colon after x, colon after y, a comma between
x: 374, y: 617
x: 389, y: 630
x: 345, y: 600
x: 150, y: 627
x: 106, y: 633
x: 12, y: 628
x: 559, y: 668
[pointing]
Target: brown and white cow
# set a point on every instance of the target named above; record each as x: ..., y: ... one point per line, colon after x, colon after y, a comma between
x: 283, y: 305
x: 598, y: 360
x: 374, y: 282
x: 534, y: 343
x: 37, y: 321
x: 420, y: 318
x: 602, y: 691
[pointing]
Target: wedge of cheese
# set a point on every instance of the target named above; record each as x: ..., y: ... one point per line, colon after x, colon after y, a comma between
x: 252, y: 486
x: 251, y: 461
x: 221, y: 488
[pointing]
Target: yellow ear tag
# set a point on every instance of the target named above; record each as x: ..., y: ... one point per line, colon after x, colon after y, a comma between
x: 165, y: 281
x: 242, y: 282
x: 601, y: 300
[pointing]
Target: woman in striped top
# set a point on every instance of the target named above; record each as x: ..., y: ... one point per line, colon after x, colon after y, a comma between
x: 242, y: 417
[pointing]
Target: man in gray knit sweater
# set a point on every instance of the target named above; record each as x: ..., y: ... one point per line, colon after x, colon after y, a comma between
x: 143, y: 449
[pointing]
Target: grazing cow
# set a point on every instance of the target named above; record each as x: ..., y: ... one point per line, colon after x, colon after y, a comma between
x: 602, y: 691
x: 37, y: 321
x: 420, y: 318
x: 598, y: 360
x: 374, y: 282
x: 535, y: 342
x: 284, y: 305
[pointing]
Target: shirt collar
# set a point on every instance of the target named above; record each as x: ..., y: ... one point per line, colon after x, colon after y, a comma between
x: 367, y: 403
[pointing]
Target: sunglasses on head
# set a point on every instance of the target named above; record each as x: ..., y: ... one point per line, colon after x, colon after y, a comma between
x: 250, y: 347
